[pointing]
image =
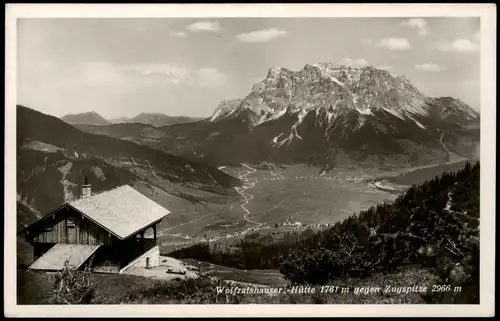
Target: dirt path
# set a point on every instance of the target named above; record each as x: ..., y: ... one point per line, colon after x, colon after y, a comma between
x: 248, y: 197
x: 182, y: 224
x: 185, y: 237
x: 274, y: 207
x: 242, y: 191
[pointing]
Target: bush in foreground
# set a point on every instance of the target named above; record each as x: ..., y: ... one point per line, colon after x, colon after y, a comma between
x: 72, y: 286
x: 201, y: 290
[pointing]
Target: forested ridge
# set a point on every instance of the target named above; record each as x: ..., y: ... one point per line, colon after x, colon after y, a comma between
x: 434, y: 224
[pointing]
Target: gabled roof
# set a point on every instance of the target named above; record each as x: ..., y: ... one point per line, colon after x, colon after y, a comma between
x: 122, y: 211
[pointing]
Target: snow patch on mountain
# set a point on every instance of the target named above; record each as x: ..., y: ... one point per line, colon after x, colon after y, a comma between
x: 417, y: 123
x: 393, y: 112
x: 293, y: 134
x: 222, y: 114
x: 271, y: 116
x: 275, y: 139
x: 416, y: 106
x: 226, y: 108
x: 364, y: 111
x: 301, y: 114
x: 216, y: 115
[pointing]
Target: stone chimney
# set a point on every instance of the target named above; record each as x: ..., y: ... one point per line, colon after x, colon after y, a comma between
x: 86, y: 189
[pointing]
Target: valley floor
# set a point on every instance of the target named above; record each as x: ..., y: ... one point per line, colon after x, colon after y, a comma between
x: 278, y: 200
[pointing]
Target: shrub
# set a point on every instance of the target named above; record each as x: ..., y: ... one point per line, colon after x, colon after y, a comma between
x: 72, y: 286
x: 201, y: 290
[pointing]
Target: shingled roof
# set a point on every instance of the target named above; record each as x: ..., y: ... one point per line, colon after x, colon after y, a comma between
x: 122, y: 211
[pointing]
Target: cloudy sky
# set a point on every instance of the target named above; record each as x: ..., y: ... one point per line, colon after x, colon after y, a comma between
x: 122, y: 67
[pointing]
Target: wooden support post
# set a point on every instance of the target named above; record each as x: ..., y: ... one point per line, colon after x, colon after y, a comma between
x: 154, y: 232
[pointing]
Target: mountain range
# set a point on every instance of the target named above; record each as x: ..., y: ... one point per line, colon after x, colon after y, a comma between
x: 156, y: 119
x: 92, y: 118
x: 324, y: 114
x: 53, y: 158
x: 153, y: 119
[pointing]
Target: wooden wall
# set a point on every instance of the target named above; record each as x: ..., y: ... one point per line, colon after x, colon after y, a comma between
x: 40, y: 249
x: 83, y: 232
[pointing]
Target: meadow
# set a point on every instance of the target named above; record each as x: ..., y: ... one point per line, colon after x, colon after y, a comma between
x: 293, y: 193
x: 300, y: 192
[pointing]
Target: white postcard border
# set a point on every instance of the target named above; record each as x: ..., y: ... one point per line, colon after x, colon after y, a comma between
x: 486, y: 12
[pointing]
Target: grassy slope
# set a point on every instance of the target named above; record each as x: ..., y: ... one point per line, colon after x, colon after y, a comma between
x: 53, y: 158
x: 40, y: 127
x: 122, y: 131
x: 35, y: 288
x: 40, y: 177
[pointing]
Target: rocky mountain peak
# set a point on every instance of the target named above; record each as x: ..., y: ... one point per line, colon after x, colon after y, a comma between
x: 276, y: 71
x: 226, y: 108
x: 335, y: 90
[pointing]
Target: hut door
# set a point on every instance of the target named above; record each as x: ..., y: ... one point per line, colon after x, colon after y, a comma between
x: 70, y: 230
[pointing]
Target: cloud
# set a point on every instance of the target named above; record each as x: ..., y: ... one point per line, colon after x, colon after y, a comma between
x: 395, y: 43
x: 178, y: 34
x: 159, y: 69
x: 430, y: 67
x: 260, y: 35
x: 390, y: 43
x: 368, y: 42
x: 384, y: 67
x: 210, y: 26
x: 177, y: 75
x: 468, y: 82
x: 359, y: 62
x: 208, y: 77
x: 99, y: 74
x: 459, y: 45
x: 419, y: 24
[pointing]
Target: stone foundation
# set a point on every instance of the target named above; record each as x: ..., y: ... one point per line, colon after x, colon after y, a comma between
x: 149, y: 259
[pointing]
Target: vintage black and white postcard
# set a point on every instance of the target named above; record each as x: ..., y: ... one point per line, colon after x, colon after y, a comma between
x: 253, y: 160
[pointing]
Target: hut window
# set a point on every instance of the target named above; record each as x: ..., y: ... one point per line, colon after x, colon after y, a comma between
x: 48, y: 227
x: 70, y: 222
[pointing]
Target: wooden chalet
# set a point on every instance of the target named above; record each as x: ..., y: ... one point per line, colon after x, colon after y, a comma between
x: 117, y: 229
